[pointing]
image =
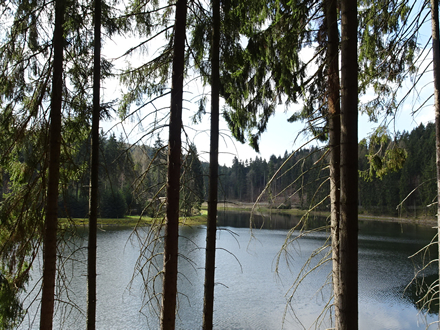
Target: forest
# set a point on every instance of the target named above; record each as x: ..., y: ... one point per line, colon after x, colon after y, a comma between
x: 335, y: 59
x: 409, y: 190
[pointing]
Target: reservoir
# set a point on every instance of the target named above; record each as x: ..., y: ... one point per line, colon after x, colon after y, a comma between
x: 259, y: 277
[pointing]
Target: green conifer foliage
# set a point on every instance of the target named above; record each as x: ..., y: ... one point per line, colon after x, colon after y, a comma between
x: 26, y: 91
x: 192, y: 192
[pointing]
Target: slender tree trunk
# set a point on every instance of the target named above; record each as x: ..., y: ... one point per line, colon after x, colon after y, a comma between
x: 168, y: 310
x: 51, y: 221
x: 208, y: 302
x: 348, y: 235
x: 335, y: 139
x: 94, y: 170
x: 436, y: 71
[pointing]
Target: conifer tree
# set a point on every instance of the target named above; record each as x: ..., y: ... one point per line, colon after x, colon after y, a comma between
x: 30, y: 53
x: 23, y: 142
x: 211, y: 231
x: 385, y: 61
x: 332, y: 58
x: 436, y: 72
x: 168, y: 308
x: 348, y: 233
x: 94, y: 173
x: 51, y: 220
x: 192, y: 183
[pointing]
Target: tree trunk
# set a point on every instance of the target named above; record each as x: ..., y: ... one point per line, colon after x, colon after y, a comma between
x: 51, y: 221
x: 94, y: 172
x: 348, y: 235
x: 211, y: 233
x: 436, y: 71
x: 168, y: 309
x: 334, y: 140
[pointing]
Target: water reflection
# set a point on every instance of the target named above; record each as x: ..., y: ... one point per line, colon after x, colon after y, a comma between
x: 267, y: 221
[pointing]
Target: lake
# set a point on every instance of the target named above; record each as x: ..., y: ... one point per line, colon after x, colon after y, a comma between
x: 253, y: 290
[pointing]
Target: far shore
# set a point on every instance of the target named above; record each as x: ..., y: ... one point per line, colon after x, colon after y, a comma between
x: 264, y: 208
x: 430, y: 221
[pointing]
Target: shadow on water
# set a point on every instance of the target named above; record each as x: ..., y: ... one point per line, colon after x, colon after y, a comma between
x: 419, y: 294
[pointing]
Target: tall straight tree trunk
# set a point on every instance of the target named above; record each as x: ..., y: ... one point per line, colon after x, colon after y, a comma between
x: 168, y: 309
x: 211, y: 233
x: 94, y: 170
x: 436, y: 71
x: 51, y: 220
x: 335, y: 139
x: 348, y: 235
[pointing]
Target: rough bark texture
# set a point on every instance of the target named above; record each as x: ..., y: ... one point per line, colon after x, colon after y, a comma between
x: 94, y: 172
x: 334, y: 139
x: 436, y: 71
x: 168, y: 309
x: 51, y: 221
x: 348, y: 235
x: 208, y: 302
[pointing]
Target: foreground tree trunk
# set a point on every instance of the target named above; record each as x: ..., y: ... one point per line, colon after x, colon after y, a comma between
x: 348, y: 235
x: 168, y: 308
x: 436, y: 71
x: 211, y: 233
x: 334, y: 140
x: 94, y: 172
x: 51, y: 221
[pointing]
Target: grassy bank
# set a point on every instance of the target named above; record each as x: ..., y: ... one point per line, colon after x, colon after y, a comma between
x: 134, y: 220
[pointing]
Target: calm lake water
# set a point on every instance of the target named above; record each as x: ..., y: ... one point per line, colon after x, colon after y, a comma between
x: 254, y: 280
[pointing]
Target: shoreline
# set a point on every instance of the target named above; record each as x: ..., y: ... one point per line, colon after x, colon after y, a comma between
x: 201, y: 219
x: 263, y: 208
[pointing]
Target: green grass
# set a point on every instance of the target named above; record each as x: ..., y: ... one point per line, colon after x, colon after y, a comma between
x: 129, y: 221
x: 132, y: 221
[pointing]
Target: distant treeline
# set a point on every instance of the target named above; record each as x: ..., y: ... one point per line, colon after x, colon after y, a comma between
x: 133, y: 178
x: 387, y: 180
x: 413, y: 187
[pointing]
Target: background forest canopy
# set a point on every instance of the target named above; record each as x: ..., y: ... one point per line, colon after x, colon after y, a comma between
x: 132, y: 178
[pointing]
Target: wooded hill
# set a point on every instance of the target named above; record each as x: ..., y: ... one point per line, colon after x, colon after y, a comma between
x: 133, y: 178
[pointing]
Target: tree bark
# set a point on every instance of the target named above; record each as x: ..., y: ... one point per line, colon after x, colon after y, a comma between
x: 211, y: 233
x: 334, y: 140
x: 168, y: 309
x: 348, y: 235
x: 436, y: 72
x: 51, y: 220
x: 94, y: 172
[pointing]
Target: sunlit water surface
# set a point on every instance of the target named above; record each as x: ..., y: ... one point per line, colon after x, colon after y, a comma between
x: 254, y: 286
